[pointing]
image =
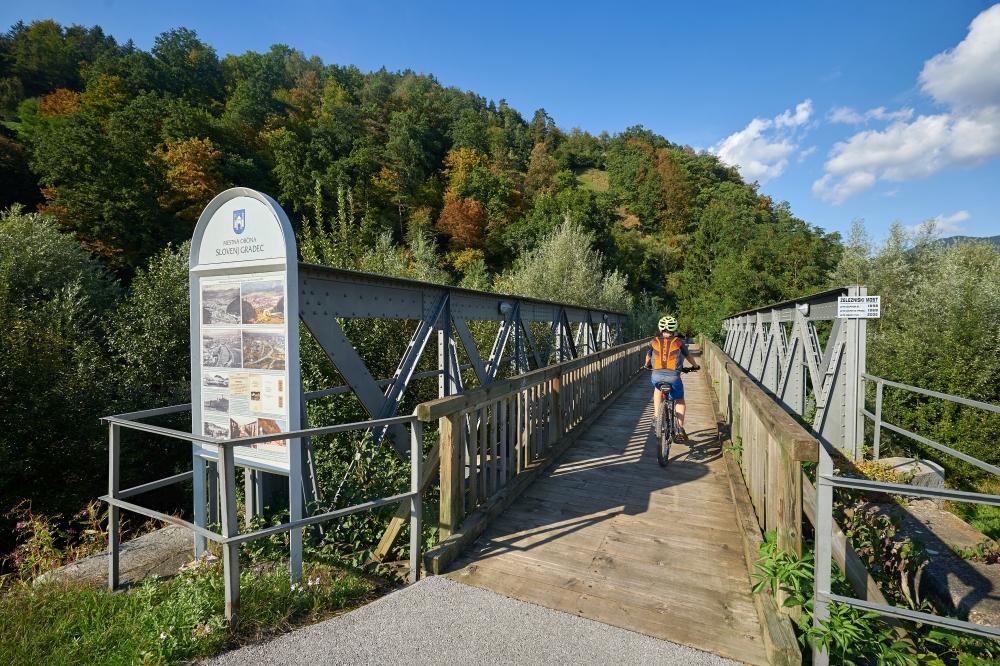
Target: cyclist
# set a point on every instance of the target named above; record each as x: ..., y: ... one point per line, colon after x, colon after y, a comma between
x: 666, y: 355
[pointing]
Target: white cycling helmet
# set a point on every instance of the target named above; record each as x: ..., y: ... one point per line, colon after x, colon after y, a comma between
x: 667, y: 323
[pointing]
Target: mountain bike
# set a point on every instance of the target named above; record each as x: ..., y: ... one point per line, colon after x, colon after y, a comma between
x: 666, y: 429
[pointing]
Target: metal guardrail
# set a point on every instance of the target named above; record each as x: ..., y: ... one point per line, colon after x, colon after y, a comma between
x: 827, y: 481
x: 881, y: 382
x: 230, y: 538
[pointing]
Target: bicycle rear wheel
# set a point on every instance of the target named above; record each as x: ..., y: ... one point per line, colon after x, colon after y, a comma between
x: 666, y: 435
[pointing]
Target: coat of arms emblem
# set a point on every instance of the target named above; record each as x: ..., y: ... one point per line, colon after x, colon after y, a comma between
x: 239, y: 220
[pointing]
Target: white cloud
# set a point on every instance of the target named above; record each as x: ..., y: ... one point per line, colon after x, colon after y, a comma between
x: 761, y: 150
x: 804, y: 154
x: 967, y: 78
x: 969, y: 74
x: 945, y: 224
x: 803, y: 111
x: 848, y: 116
x: 836, y: 191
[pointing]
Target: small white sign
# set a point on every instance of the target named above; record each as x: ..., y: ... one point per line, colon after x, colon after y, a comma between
x: 859, y: 307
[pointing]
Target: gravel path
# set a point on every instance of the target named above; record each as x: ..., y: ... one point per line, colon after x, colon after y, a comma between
x: 439, y: 621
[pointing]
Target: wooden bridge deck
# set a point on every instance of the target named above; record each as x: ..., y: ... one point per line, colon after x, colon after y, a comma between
x: 609, y: 535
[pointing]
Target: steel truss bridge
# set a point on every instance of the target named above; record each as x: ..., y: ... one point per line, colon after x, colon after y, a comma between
x: 547, y: 477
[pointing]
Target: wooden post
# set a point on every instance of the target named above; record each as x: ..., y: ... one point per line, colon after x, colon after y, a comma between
x: 451, y: 474
x: 556, y: 427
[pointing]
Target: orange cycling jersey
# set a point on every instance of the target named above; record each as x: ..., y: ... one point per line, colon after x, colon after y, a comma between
x: 667, y: 353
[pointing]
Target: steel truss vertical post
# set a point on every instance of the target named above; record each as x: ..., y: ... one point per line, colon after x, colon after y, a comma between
x: 114, y: 533
x: 500, y: 343
x: 856, y: 349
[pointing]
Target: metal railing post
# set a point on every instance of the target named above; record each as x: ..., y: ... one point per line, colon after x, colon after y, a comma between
x: 878, y: 419
x: 230, y: 551
x: 416, y: 529
x: 114, y: 535
x: 824, y: 548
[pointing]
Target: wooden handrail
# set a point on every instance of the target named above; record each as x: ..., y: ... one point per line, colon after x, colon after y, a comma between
x: 436, y: 409
x: 494, y: 440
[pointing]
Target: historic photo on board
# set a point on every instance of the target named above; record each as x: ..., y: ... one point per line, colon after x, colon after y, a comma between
x: 264, y: 350
x: 264, y: 302
x: 271, y: 427
x: 220, y: 304
x: 221, y: 348
x: 242, y: 426
x: 216, y: 430
x: 217, y: 379
x: 216, y: 403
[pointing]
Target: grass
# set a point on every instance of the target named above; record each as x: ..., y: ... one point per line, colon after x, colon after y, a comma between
x: 594, y: 179
x: 164, y: 621
x: 983, y: 517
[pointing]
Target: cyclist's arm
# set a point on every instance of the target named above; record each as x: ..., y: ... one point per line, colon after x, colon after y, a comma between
x: 690, y: 359
x: 649, y: 358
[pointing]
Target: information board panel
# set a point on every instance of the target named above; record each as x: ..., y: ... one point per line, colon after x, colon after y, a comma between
x: 859, y: 307
x: 244, y: 327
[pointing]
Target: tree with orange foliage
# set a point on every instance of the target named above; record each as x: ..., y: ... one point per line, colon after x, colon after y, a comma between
x: 464, y: 222
x: 59, y: 102
x: 192, y: 172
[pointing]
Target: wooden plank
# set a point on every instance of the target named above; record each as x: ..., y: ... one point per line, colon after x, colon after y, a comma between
x: 444, y: 553
x: 472, y: 463
x: 504, y: 405
x: 428, y: 470
x: 659, y: 623
x: 451, y: 474
x: 484, y: 453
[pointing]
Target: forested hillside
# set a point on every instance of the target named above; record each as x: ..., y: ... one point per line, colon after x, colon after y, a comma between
x: 118, y: 150
x: 124, y: 147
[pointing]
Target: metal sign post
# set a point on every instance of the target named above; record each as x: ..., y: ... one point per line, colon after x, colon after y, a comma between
x: 244, y: 345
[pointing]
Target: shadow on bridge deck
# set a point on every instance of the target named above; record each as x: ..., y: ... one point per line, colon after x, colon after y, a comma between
x: 609, y: 535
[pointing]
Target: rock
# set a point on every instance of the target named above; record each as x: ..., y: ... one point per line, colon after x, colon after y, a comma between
x: 159, y: 553
x: 968, y: 590
x: 922, y: 473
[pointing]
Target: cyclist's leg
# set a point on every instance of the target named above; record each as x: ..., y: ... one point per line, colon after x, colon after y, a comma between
x: 677, y: 393
x: 657, y: 396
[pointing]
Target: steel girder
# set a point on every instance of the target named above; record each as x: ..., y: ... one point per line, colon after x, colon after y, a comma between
x: 327, y: 295
x: 779, y: 346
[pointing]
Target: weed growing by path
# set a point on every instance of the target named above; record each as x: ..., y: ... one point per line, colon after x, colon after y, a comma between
x: 164, y: 621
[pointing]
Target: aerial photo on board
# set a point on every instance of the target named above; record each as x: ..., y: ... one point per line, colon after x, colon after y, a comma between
x: 264, y: 302
x: 264, y: 350
x: 221, y: 348
x: 220, y: 304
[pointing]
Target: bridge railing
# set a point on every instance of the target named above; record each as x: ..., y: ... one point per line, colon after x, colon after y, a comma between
x: 768, y: 438
x: 771, y: 447
x: 229, y: 538
x: 496, y: 439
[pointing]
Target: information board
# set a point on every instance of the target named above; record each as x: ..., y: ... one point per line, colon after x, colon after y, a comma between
x: 859, y: 307
x: 244, y: 327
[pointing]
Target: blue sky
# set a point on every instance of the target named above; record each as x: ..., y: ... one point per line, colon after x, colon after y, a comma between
x: 876, y: 110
